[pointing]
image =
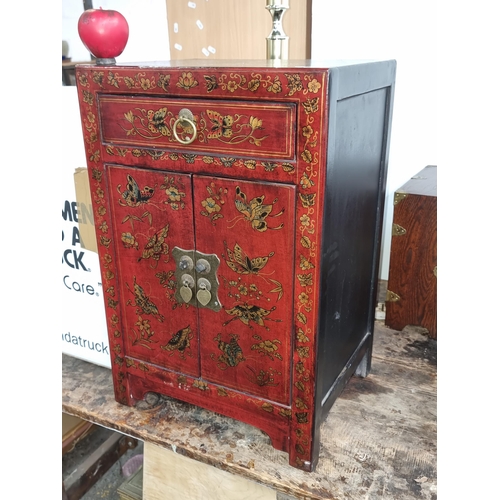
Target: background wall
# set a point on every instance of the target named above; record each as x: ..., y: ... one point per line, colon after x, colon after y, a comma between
x: 341, y: 29
x: 220, y: 29
x: 147, y: 20
x: 390, y: 29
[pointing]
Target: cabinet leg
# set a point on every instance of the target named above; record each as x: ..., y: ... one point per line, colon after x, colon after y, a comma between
x: 304, y: 453
x: 365, y: 365
x: 150, y: 401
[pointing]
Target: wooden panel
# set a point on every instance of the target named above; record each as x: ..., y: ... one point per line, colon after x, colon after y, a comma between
x: 152, y: 212
x: 247, y: 345
x: 234, y: 30
x: 170, y: 475
x: 412, y: 284
x: 225, y: 127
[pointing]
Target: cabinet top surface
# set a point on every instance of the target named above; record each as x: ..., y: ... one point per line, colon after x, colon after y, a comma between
x: 255, y: 63
x: 423, y: 183
x: 353, y: 76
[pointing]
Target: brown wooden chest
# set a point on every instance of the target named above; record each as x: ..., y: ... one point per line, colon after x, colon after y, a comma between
x: 412, y: 286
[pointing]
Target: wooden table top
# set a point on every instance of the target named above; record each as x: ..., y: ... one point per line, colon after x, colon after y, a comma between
x: 378, y: 441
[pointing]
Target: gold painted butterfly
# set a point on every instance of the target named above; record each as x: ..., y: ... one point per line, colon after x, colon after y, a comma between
x: 143, y: 303
x: 156, y: 246
x: 211, y: 83
x: 180, y: 341
x: 157, y: 121
x: 255, y: 211
x: 219, y: 125
x: 247, y: 313
x: 232, y: 353
x: 133, y: 196
x: 263, y: 378
x: 239, y: 262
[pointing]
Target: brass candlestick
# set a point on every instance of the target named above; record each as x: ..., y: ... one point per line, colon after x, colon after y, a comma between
x: 277, y: 41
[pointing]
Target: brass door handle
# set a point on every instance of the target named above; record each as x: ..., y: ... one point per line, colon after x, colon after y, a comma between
x: 203, y: 295
x: 185, y: 117
x: 197, y: 284
x: 185, y: 290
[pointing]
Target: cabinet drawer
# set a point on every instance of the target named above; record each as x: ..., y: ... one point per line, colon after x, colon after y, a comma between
x: 237, y: 128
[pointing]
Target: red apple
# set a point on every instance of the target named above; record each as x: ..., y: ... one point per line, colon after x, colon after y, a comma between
x: 103, y: 32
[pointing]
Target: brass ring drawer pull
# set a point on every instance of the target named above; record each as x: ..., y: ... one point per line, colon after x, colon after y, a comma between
x: 185, y: 116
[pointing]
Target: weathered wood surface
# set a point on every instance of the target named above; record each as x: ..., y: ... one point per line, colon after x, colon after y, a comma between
x: 378, y: 441
x: 93, y: 467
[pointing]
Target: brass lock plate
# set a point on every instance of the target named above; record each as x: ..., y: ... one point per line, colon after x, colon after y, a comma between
x: 196, y: 277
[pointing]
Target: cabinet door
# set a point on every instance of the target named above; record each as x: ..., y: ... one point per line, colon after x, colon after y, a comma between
x: 250, y: 226
x: 231, y: 326
x: 152, y: 213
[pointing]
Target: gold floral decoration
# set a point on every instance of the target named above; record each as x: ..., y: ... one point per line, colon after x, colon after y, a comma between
x: 187, y: 81
x: 203, y: 386
x: 213, y: 204
x: 303, y: 352
x: 98, y: 77
x: 175, y: 193
x: 275, y: 87
x: 305, y: 264
x: 129, y: 241
x: 88, y: 97
x: 267, y: 347
x: 305, y: 181
x: 314, y: 86
x: 113, y: 80
x: 144, y: 333
x: 263, y: 378
x: 83, y: 80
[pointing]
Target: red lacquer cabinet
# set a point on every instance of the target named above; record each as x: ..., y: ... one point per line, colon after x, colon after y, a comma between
x: 238, y: 212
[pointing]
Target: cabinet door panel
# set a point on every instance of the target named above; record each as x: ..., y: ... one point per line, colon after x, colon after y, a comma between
x: 246, y: 345
x: 153, y: 213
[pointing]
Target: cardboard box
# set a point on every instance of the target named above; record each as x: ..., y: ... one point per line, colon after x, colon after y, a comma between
x: 84, y: 334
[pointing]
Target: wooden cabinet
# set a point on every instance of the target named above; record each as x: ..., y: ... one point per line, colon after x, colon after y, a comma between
x: 412, y: 284
x: 238, y: 213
